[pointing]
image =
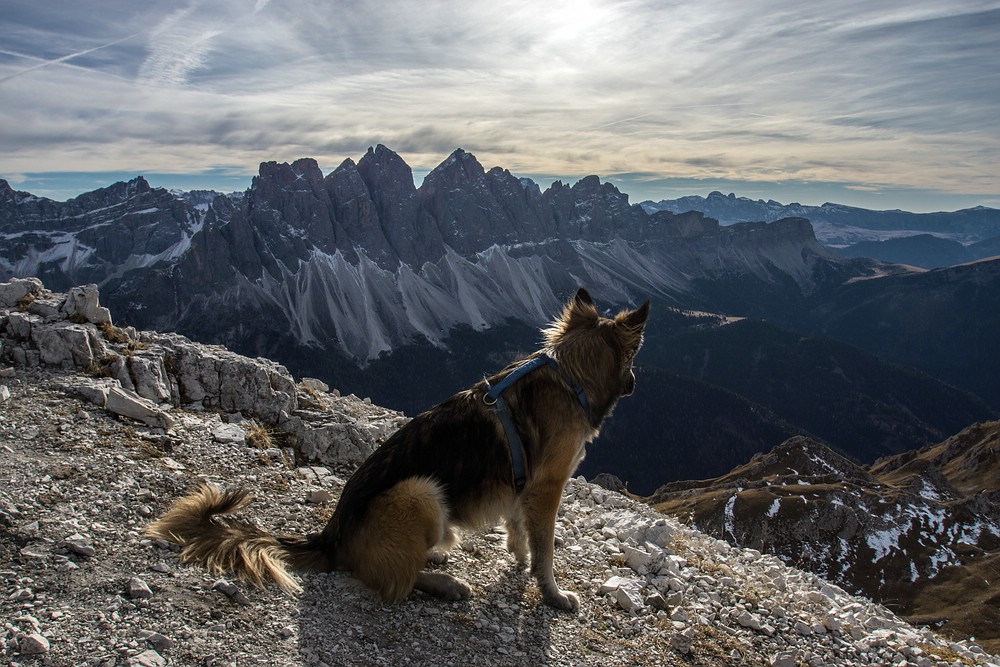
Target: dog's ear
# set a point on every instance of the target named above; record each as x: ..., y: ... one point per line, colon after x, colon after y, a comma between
x: 583, y: 298
x: 632, y: 321
x: 580, y: 312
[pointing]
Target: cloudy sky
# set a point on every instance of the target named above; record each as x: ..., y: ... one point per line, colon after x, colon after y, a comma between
x: 877, y: 103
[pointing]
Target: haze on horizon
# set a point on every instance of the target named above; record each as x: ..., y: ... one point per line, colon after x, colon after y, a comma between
x: 869, y: 103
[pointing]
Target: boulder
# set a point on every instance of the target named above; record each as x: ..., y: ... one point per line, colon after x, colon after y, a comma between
x: 83, y: 303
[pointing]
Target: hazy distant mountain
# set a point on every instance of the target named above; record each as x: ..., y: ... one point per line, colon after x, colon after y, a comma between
x: 840, y: 225
x: 923, y: 250
x: 736, y: 389
x: 943, y: 322
x: 862, y: 405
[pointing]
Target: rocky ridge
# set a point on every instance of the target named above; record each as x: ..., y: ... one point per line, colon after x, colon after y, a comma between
x: 143, y: 375
x: 918, y: 530
x: 82, y: 586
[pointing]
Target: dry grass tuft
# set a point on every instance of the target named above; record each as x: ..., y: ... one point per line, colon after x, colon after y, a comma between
x: 113, y: 334
x: 258, y: 435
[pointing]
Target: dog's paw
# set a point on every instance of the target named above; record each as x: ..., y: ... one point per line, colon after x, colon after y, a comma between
x: 457, y: 590
x: 437, y: 557
x: 564, y: 600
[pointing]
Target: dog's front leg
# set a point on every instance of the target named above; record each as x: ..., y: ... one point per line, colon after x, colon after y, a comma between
x: 540, y: 503
x: 517, y: 543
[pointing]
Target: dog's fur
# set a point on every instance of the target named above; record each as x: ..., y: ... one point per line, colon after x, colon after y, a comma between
x: 449, y: 466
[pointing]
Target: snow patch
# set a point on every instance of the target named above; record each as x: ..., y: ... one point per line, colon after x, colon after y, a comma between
x: 773, y: 509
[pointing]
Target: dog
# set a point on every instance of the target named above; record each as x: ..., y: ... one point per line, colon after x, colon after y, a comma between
x: 503, y: 449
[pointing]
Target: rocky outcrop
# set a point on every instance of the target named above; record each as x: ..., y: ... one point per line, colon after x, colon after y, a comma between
x: 145, y: 376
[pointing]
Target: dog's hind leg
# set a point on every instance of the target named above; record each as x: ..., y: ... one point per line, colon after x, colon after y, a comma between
x: 540, y: 502
x: 388, y: 551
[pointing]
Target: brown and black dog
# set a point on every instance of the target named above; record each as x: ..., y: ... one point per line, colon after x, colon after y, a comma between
x: 463, y: 463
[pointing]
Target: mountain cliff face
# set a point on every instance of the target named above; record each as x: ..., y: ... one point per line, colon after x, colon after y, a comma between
x: 360, y: 261
x: 919, y: 530
x: 95, y: 236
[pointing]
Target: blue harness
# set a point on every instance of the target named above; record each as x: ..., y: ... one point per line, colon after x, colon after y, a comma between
x: 494, y: 399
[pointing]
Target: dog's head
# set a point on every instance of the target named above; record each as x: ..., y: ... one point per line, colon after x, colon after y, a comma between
x: 598, y: 351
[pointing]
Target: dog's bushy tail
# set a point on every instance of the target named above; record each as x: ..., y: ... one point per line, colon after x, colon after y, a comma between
x: 207, y: 537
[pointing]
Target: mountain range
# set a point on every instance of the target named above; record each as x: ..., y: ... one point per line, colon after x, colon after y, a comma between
x: 925, y: 240
x: 360, y: 261
x: 406, y: 294
x: 923, y: 250
x: 841, y: 225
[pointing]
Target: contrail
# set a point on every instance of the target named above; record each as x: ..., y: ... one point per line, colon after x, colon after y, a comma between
x: 61, y: 59
x: 623, y: 120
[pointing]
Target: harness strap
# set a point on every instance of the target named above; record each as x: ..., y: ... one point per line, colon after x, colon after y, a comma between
x: 494, y: 399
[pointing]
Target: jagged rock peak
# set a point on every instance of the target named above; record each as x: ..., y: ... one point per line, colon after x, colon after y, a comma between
x: 459, y: 166
x: 286, y: 174
x: 8, y: 195
x: 460, y: 155
x: 382, y: 167
x: 385, y: 160
x: 529, y: 185
x: 347, y: 165
x: 593, y: 184
x: 382, y: 153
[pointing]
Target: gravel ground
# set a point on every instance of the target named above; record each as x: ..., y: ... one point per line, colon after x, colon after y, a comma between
x: 82, y: 586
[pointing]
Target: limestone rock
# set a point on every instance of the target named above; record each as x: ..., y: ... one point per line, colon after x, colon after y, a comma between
x: 14, y: 292
x: 138, y: 589
x: 34, y: 644
x: 82, y: 302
